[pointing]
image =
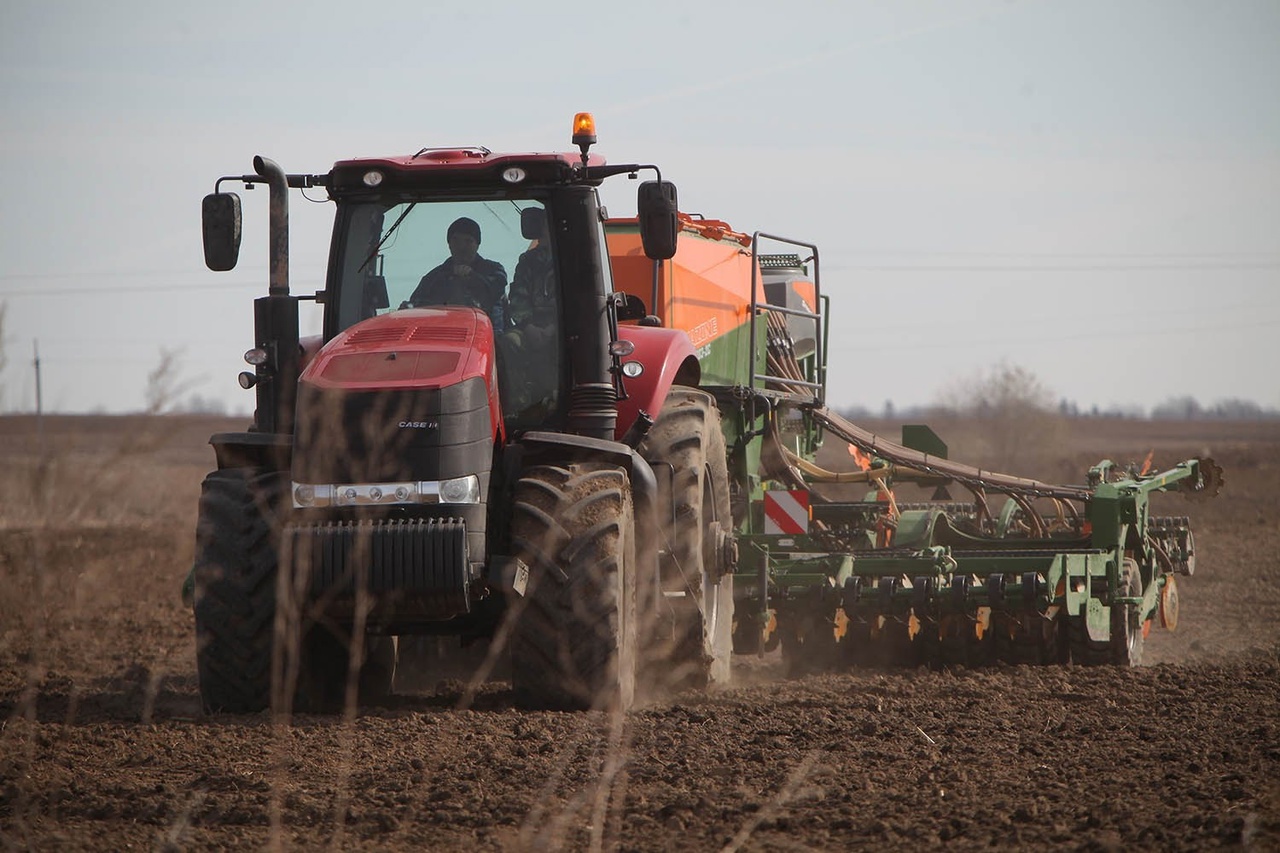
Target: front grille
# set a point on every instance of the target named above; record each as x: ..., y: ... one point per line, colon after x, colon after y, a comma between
x: 425, y: 558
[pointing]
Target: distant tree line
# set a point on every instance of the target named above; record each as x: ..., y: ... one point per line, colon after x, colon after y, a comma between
x: 1173, y: 409
x: 1015, y: 395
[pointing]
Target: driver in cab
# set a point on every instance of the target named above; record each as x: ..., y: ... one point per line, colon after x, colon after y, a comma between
x: 464, y: 278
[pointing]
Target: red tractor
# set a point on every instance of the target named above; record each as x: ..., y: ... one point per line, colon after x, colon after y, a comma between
x: 462, y: 452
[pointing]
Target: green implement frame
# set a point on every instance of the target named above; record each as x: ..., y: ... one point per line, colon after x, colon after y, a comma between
x: 952, y: 583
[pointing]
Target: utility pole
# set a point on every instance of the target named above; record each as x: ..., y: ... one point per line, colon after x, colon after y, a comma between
x: 39, y: 398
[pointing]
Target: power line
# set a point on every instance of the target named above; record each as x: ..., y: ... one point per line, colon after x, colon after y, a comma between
x: 1109, y: 255
x: 969, y: 342
x: 1179, y: 267
x: 1059, y: 318
x: 1212, y: 260
x: 171, y: 288
x: 179, y: 288
x: 136, y: 273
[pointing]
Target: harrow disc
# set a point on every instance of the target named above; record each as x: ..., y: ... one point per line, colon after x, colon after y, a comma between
x: 1027, y: 638
x: 894, y: 645
x: 858, y: 645
x: 1169, y: 603
x: 809, y: 643
x: 964, y: 640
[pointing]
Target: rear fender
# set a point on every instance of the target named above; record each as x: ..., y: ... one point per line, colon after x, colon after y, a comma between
x: 668, y: 358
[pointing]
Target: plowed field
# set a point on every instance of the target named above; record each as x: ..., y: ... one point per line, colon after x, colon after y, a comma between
x: 103, y: 745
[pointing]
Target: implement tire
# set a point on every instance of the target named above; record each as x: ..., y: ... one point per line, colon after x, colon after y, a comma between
x: 237, y: 534
x: 686, y: 450
x: 1127, y: 639
x: 573, y: 642
x: 1125, y: 645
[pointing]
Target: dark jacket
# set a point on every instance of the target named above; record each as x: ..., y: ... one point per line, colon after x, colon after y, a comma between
x: 532, y: 298
x: 483, y: 288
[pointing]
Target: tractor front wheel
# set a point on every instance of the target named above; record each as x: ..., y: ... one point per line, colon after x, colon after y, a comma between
x: 573, y: 642
x: 235, y: 588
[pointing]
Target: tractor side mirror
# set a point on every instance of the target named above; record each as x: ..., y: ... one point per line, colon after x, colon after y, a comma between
x: 629, y: 307
x: 659, y: 221
x: 220, y: 221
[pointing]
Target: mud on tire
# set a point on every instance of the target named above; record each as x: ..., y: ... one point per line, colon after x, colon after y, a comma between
x: 574, y: 636
x: 686, y: 450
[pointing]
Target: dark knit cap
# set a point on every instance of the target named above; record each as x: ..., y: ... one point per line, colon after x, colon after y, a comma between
x: 464, y: 225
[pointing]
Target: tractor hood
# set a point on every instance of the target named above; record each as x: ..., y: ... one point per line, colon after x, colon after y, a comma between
x: 414, y: 348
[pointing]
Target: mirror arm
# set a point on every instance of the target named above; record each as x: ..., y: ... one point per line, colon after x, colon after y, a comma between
x: 599, y: 173
x: 657, y: 276
x: 247, y: 180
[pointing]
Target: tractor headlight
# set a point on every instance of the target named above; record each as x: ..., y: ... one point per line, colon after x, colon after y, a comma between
x: 460, y: 490
x: 308, y: 495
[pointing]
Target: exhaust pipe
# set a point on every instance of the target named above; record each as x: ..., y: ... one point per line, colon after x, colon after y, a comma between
x: 275, y: 316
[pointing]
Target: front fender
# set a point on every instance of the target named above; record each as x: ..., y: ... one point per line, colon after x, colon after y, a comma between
x: 667, y: 355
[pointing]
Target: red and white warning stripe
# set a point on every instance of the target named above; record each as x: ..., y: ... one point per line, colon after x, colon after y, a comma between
x: 786, y: 512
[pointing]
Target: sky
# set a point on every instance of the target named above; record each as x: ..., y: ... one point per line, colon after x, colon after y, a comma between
x: 1086, y: 189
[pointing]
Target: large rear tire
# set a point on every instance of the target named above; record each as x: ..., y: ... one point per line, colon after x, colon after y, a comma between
x: 573, y: 644
x: 686, y: 450
x: 235, y: 588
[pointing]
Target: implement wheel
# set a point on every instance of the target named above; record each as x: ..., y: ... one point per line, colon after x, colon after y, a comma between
x: 1124, y: 646
x: 1127, y: 639
x: 574, y: 637
x: 686, y: 450
x: 237, y: 533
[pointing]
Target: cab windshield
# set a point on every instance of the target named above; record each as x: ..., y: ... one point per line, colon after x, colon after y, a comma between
x: 496, y: 256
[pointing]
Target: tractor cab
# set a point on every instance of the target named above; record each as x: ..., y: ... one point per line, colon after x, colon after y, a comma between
x: 429, y: 272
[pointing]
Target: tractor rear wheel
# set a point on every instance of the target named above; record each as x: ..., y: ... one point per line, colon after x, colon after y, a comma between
x: 573, y: 642
x: 235, y: 588
x: 686, y: 450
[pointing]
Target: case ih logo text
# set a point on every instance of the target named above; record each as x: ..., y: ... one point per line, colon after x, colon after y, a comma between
x: 418, y: 424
